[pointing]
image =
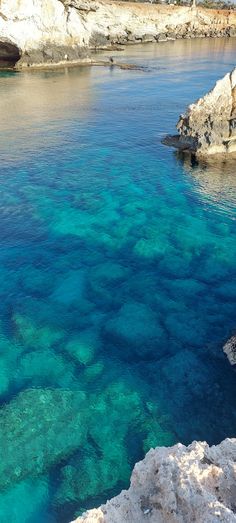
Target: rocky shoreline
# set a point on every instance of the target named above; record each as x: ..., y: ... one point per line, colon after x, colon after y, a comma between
x: 47, y: 32
x: 176, y: 485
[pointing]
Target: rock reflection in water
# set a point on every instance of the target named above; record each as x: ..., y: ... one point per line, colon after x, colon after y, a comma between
x: 214, y: 178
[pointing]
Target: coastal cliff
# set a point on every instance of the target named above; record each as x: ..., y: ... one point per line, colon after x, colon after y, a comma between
x: 53, y: 31
x: 176, y: 485
x: 209, y: 125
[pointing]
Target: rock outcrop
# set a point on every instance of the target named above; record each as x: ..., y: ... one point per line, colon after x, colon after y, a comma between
x: 209, y: 125
x: 52, y: 31
x: 177, y: 485
x: 230, y: 350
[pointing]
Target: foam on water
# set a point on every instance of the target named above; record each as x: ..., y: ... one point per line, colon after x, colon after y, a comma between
x: 117, y: 278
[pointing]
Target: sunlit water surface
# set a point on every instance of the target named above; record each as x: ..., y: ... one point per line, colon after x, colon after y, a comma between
x: 117, y: 278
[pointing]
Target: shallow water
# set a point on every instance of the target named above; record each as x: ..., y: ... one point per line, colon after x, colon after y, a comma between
x: 117, y: 278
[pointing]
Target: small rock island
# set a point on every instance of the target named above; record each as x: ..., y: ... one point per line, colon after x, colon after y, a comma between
x: 209, y: 125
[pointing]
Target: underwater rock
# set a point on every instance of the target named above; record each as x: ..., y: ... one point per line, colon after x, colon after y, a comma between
x: 176, y: 484
x: 84, y: 346
x: 191, y: 333
x: 227, y: 290
x: 71, y: 289
x: 109, y: 272
x: 230, y: 350
x: 150, y: 248
x: 174, y: 264
x: 4, y: 376
x: 33, y: 335
x: 37, y: 282
x: 104, y: 458
x: 94, y: 371
x: 10, y: 353
x: 120, y: 405
x: 39, y: 428
x: 209, y: 125
x: 186, y: 376
x: 135, y: 324
x: 96, y: 474
x: 104, y: 281
x: 45, y: 368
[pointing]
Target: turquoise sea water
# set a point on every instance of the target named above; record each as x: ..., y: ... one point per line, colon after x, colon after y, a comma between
x: 117, y: 278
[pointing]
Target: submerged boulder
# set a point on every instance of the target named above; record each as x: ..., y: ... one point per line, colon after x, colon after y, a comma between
x: 209, y: 125
x: 39, y: 428
x: 135, y: 330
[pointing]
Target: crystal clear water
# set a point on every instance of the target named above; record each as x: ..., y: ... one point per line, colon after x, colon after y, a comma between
x: 117, y: 278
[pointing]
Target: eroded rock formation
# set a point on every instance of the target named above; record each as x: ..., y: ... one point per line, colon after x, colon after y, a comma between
x: 176, y: 485
x: 52, y: 31
x: 230, y: 350
x: 209, y: 125
x: 10, y: 53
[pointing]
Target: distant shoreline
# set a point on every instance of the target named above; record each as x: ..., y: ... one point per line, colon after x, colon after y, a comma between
x: 61, y: 35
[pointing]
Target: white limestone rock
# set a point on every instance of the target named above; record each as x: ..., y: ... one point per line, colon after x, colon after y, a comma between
x: 209, y: 125
x: 177, y: 485
x: 72, y: 25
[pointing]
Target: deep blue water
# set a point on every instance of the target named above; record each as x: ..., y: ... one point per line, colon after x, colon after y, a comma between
x: 117, y: 278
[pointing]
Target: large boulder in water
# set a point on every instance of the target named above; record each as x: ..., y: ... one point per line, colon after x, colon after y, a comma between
x: 209, y: 125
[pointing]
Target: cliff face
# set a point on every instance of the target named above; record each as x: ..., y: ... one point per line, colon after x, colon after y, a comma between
x: 176, y: 485
x: 209, y: 125
x: 55, y: 30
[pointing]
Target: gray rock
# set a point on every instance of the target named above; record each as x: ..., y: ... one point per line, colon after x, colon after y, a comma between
x: 230, y: 350
x: 148, y: 38
x: 162, y: 37
x: 53, y: 54
x: 98, y: 40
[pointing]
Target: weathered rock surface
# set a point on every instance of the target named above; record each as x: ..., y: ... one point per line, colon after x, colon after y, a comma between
x: 52, y: 31
x: 176, y: 485
x: 209, y: 125
x: 230, y: 350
